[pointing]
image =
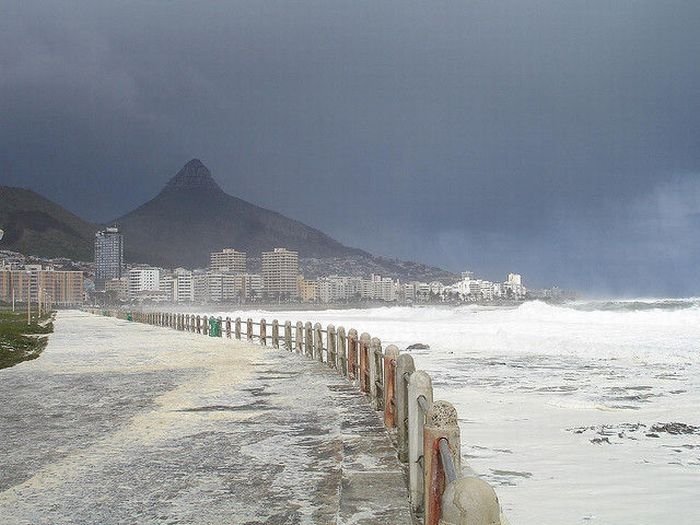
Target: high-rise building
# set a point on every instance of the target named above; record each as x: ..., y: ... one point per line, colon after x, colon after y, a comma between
x: 280, y: 269
x: 228, y: 260
x: 183, y: 286
x: 109, y: 256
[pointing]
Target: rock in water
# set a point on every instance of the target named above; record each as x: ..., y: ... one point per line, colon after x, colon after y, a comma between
x: 418, y: 346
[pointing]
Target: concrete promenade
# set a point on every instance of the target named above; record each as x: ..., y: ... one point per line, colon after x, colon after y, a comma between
x: 122, y: 422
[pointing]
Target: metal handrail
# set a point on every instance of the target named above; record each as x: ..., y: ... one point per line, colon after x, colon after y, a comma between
x: 448, y: 463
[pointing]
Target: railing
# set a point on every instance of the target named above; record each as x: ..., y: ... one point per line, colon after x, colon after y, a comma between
x: 427, y: 432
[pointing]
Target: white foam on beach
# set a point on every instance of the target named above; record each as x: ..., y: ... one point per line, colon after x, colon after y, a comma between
x: 550, y: 396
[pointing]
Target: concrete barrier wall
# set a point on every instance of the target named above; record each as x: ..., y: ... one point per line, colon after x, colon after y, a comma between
x: 426, y: 432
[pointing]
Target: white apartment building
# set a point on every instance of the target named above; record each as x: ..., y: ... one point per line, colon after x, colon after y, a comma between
x: 228, y: 260
x: 280, y: 271
x: 183, y: 286
x: 143, y: 281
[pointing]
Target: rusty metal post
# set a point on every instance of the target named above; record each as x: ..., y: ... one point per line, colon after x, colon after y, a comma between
x: 404, y: 369
x: 374, y: 373
x: 441, y: 423
x: 249, y: 329
x: 391, y: 355
x: 365, y: 341
x: 332, y: 348
x: 205, y: 325
x: 470, y: 500
x: 275, y: 333
x: 299, y: 337
x: 318, y: 342
x: 228, y: 328
x: 263, y: 332
x: 237, y: 328
x: 420, y: 386
x: 352, y: 354
x: 288, y: 336
x: 342, y: 352
x: 309, y: 339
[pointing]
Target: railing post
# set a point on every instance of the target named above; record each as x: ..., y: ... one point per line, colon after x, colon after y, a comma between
x: 440, y: 423
x: 352, y: 354
x: 419, y: 385
x: 332, y: 351
x: 299, y: 337
x: 228, y: 328
x: 342, y: 352
x: 309, y: 339
x: 404, y: 369
x: 249, y: 329
x: 199, y: 324
x: 205, y: 325
x: 318, y: 342
x: 365, y: 341
x: 391, y: 355
x: 219, y: 324
x: 237, y: 328
x: 374, y: 373
x: 275, y: 333
x: 263, y: 332
x: 288, y: 336
x: 470, y: 500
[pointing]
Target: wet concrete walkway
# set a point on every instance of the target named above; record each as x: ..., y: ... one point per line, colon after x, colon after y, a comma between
x: 120, y: 422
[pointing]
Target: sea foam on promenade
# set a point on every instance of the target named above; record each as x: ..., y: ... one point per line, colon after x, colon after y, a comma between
x: 561, y: 405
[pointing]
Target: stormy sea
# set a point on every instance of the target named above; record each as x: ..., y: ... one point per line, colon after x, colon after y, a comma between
x: 585, y: 413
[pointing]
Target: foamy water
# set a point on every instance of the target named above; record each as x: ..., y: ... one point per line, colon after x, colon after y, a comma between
x: 561, y: 406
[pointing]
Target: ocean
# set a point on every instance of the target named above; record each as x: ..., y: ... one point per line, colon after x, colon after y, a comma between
x: 585, y: 413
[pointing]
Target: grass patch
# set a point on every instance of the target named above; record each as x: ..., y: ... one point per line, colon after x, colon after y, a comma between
x: 20, y: 341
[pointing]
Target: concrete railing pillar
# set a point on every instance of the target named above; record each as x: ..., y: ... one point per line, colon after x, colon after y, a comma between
x: 249, y: 329
x: 237, y: 328
x: 275, y: 333
x: 365, y: 341
x: 353, y: 344
x: 441, y: 423
x: 205, y: 325
x: 299, y: 337
x: 391, y: 355
x: 318, y: 342
x: 228, y: 328
x: 263, y: 332
x: 342, y: 352
x: 308, y: 339
x: 199, y: 324
x: 470, y: 501
x: 374, y: 373
x: 288, y: 336
x: 420, y: 385
x: 332, y: 348
x: 404, y: 369
x: 220, y: 323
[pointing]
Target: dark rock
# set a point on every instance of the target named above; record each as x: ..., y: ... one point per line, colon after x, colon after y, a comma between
x: 418, y: 346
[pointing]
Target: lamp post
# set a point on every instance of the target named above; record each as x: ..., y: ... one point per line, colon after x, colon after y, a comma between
x: 29, y: 297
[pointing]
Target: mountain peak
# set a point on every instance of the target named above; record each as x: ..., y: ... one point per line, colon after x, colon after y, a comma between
x: 193, y: 175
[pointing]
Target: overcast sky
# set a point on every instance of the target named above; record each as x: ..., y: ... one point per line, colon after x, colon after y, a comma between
x: 556, y: 138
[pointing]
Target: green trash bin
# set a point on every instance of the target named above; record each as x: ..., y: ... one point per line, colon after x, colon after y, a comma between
x: 213, y: 327
x: 129, y: 317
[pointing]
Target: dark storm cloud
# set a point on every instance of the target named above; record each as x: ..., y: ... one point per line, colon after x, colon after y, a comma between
x: 556, y: 138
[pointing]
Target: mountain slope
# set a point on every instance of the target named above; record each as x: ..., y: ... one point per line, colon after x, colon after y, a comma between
x: 35, y: 225
x: 192, y: 216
